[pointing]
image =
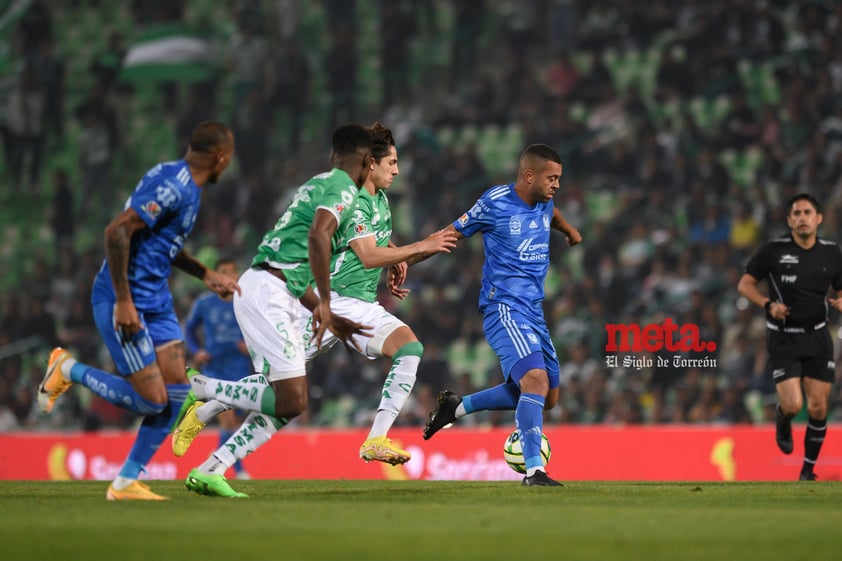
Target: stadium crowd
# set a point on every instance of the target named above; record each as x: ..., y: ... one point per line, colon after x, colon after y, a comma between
x: 683, y: 127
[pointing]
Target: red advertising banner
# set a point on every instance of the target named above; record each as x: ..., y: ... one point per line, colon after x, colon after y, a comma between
x: 674, y: 453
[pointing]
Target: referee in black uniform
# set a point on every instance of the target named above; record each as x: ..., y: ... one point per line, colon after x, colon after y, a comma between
x: 799, y: 269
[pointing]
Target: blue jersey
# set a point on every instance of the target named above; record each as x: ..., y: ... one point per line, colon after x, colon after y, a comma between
x: 221, y: 335
x: 516, y: 237
x: 167, y: 200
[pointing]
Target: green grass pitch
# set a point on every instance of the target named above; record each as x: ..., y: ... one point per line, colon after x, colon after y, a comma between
x: 426, y: 520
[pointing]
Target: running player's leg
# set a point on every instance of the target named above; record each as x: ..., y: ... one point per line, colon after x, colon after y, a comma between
x: 818, y: 395
x: 817, y: 382
x: 272, y: 321
x: 786, y: 372
x: 139, y: 387
x: 502, y: 334
x: 393, y: 339
x: 170, y: 357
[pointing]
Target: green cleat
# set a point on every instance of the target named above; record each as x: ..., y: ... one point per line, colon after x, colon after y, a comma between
x: 188, y: 401
x: 211, y: 485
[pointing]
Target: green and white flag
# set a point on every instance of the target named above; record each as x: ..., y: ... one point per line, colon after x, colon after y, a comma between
x: 169, y: 53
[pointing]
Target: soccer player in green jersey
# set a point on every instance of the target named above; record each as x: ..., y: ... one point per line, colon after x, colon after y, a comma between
x: 363, y: 248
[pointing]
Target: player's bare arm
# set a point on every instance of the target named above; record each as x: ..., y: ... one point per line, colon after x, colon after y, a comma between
x: 450, y: 231
x: 318, y: 254
x: 372, y: 256
x: 217, y: 282
x: 560, y: 223
x: 748, y: 288
x: 118, y: 242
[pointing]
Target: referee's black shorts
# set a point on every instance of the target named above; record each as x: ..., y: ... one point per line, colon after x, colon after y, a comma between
x: 800, y: 355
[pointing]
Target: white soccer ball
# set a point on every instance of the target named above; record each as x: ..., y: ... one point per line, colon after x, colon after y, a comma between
x: 513, y: 454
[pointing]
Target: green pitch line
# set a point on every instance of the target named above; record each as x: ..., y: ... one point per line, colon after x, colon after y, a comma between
x: 421, y: 520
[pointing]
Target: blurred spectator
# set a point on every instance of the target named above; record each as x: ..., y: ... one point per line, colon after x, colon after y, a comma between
x: 25, y: 124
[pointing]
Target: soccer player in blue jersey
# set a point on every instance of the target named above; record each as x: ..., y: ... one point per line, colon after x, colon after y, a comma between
x: 220, y: 351
x: 515, y: 221
x: 133, y: 307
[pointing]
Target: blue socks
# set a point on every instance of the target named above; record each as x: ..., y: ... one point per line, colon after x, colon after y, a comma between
x: 501, y: 397
x: 114, y: 389
x: 153, y: 431
x: 529, y: 418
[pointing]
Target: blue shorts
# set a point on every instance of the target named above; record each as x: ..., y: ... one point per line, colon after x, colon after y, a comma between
x: 521, y: 343
x: 133, y: 356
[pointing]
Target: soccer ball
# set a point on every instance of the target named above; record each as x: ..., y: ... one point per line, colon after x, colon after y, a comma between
x: 513, y: 454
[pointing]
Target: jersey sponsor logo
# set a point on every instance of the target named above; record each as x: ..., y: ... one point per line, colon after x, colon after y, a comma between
x: 789, y: 279
x: 151, y: 208
x: 528, y: 251
x: 463, y: 219
x: 789, y: 259
x: 514, y: 226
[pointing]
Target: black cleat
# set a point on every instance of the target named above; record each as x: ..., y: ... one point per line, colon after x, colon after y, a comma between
x: 807, y: 476
x: 542, y: 479
x: 444, y: 414
x: 783, y: 432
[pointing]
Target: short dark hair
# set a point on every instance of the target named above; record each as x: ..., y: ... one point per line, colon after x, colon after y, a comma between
x: 541, y: 151
x: 804, y: 197
x: 208, y: 136
x: 382, y: 141
x: 347, y: 139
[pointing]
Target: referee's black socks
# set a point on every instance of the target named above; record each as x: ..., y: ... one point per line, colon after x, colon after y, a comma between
x: 813, y: 440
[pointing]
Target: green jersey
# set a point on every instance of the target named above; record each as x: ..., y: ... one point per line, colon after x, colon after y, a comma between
x: 285, y: 245
x: 371, y: 217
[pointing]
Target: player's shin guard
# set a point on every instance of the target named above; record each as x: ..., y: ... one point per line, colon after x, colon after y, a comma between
x: 813, y: 440
x: 529, y: 417
x: 397, y: 387
x: 153, y: 430
x: 114, y: 389
x: 255, y: 431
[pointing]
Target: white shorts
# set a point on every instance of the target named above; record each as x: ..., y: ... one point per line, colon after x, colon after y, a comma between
x: 273, y: 324
x: 372, y: 314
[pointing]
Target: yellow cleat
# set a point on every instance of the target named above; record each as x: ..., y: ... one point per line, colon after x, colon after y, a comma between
x: 54, y: 384
x: 381, y: 449
x: 187, y: 430
x: 137, y: 491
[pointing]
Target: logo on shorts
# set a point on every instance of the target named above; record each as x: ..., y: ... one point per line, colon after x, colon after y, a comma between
x: 145, y: 347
